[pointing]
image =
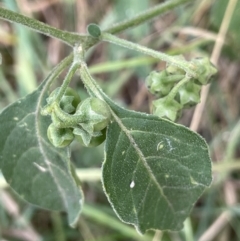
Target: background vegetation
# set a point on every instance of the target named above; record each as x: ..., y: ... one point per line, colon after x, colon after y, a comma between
x: 202, y: 28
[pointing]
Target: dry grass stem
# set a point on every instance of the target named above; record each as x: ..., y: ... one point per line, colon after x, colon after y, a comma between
x: 27, y: 232
x: 201, y: 33
x: 214, y: 59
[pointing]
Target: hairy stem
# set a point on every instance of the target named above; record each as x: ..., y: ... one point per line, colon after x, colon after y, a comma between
x: 89, y: 82
x: 175, y: 89
x: 67, y: 119
x: 67, y: 37
x: 87, y: 79
x: 174, y: 78
x: 145, y: 16
x: 86, y: 40
x: 67, y: 80
x: 55, y: 73
x: 59, y: 68
x: 158, y: 55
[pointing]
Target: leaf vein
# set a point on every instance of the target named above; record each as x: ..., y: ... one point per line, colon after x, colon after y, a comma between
x: 142, y: 158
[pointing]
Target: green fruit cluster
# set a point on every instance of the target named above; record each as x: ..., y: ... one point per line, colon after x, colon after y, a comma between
x: 69, y: 101
x: 158, y: 84
x: 161, y: 83
x: 90, y: 131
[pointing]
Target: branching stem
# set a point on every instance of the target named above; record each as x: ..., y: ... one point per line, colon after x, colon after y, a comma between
x: 73, y: 38
x: 67, y: 80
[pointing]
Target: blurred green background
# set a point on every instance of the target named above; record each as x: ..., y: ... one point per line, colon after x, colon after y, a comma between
x: 192, y: 29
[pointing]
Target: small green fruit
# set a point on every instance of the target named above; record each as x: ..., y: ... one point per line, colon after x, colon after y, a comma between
x: 60, y: 137
x: 94, y: 140
x: 204, y: 69
x: 69, y: 101
x: 75, y: 99
x: 157, y: 83
x: 165, y: 108
x: 97, y: 112
x: 189, y: 94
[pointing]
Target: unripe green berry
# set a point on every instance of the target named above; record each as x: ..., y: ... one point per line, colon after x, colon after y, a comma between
x: 167, y: 108
x: 60, y: 137
x: 94, y: 141
x: 189, y: 94
x: 96, y: 111
x: 157, y: 83
x: 75, y: 99
x: 69, y: 101
x: 204, y: 69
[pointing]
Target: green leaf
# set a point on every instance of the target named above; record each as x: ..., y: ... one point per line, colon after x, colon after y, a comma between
x: 33, y: 167
x: 154, y: 170
x: 94, y: 30
x: 124, y: 9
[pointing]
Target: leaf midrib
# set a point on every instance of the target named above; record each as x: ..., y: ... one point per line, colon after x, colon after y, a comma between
x: 141, y: 157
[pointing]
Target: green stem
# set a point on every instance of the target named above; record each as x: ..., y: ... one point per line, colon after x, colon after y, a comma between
x: 50, y: 106
x: 58, y: 69
x: 58, y: 227
x: 55, y: 73
x: 66, y: 81
x: 67, y: 37
x: 89, y: 82
x: 67, y: 119
x: 175, y: 89
x: 158, y: 55
x: 145, y: 16
x: 86, y: 78
x: 173, y: 78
